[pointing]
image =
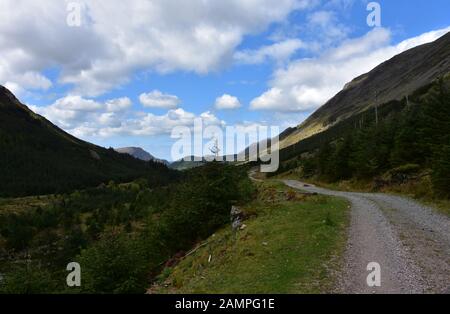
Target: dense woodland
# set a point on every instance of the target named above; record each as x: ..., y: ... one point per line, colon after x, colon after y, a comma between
x: 39, y: 158
x: 414, y: 139
x: 121, y: 234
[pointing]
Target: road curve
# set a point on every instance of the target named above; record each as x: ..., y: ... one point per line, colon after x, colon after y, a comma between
x: 409, y: 241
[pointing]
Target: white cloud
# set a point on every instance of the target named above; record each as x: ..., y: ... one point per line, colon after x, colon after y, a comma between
x: 280, y: 52
x: 150, y: 124
x: 33, y: 80
x: 327, y: 29
x: 118, y: 104
x: 157, y: 99
x: 321, y: 18
x: 77, y: 103
x: 226, y: 101
x: 306, y: 84
x: 87, y: 118
x: 118, y: 39
x: 19, y: 83
x: 70, y: 111
x: 15, y: 88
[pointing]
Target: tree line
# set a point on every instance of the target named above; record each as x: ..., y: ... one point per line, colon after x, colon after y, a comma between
x: 412, y: 139
x: 121, y: 234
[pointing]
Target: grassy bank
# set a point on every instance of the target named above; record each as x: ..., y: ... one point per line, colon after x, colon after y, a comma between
x: 420, y: 190
x: 292, y: 244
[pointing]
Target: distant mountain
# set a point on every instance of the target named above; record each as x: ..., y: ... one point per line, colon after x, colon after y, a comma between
x: 392, y: 80
x: 37, y: 157
x: 141, y: 154
x: 188, y: 163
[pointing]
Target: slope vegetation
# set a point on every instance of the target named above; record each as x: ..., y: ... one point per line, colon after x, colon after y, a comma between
x: 391, y: 81
x: 292, y: 243
x: 39, y: 158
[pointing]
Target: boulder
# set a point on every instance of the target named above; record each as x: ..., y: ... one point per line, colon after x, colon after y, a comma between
x: 236, y: 217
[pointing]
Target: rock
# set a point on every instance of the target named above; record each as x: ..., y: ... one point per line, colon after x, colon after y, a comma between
x: 235, y: 212
x: 236, y: 217
x: 243, y: 227
x: 94, y: 154
x: 236, y: 224
x: 265, y: 243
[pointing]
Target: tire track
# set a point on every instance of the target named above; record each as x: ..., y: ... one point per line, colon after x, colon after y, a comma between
x: 409, y: 241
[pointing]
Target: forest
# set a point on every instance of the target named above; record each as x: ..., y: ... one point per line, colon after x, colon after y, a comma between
x: 412, y: 140
x: 39, y: 158
x: 121, y: 234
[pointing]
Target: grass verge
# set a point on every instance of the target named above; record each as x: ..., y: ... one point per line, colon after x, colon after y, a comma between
x: 419, y: 190
x: 292, y: 244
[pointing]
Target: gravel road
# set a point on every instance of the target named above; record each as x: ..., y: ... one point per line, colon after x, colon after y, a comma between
x: 409, y: 241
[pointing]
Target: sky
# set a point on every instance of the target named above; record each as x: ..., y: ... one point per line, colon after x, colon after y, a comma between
x: 126, y: 73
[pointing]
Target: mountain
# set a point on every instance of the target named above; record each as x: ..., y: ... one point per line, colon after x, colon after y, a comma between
x: 392, y: 80
x: 398, y: 140
x: 37, y: 157
x: 141, y: 154
x: 188, y: 163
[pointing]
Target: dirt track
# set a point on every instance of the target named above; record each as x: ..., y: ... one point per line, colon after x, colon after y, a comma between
x: 409, y: 241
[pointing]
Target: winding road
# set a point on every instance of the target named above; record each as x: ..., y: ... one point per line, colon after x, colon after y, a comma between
x: 409, y: 241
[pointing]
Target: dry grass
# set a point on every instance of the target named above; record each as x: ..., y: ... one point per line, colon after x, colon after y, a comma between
x: 17, y: 205
x: 419, y: 189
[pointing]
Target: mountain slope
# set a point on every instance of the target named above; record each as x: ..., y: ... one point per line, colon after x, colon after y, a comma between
x: 188, y: 163
x: 39, y: 158
x: 141, y: 154
x: 391, y: 80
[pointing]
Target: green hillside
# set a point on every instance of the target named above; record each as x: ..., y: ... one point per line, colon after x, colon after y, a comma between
x: 409, y: 142
x: 39, y: 158
x: 122, y: 234
x: 389, y: 82
x: 291, y: 244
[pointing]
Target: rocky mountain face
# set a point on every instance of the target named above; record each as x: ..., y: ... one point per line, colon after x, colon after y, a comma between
x: 392, y: 80
x: 140, y: 153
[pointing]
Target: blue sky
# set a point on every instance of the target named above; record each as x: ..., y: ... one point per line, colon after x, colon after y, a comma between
x: 130, y: 73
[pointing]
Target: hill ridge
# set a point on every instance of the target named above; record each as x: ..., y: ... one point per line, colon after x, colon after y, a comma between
x: 393, y: 79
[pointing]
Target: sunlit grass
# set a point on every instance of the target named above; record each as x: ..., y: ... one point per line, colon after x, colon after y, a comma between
x: 290, y: 247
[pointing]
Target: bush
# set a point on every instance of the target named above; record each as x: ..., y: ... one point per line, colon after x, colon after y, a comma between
x: 28, y: 279
x: 441, y: 172
x: 114, y: 264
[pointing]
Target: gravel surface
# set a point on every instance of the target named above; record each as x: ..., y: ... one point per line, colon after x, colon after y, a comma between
x: 409, y: 241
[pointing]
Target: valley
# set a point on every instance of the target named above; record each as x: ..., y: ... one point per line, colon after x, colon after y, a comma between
x: 121, y: 233
x: 137, y: 224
